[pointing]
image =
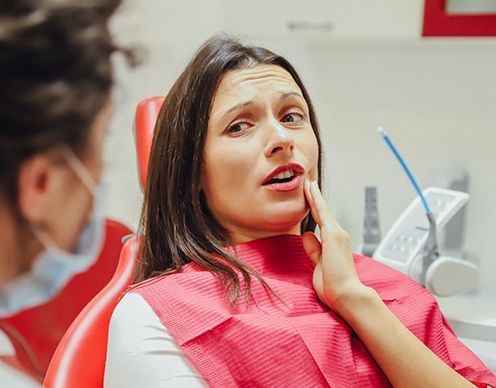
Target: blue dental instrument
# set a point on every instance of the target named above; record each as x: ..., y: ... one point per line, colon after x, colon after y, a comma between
x: 431, y: 250
x: 385, y: 136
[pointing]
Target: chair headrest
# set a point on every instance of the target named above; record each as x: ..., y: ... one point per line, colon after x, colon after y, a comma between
x: 144, y: 124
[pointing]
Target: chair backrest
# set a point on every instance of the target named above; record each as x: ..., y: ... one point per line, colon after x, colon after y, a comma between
x: 144, y: 124
x: 35, y: 332
x: 79, y: 360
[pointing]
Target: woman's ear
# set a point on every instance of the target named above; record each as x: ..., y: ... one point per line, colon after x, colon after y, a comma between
x: 36, y: 186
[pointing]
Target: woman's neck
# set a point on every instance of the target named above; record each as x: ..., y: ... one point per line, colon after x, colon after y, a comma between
x: 282, y: 254
x: 252, y: 235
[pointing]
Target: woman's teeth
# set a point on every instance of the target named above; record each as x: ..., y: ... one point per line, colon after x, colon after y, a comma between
x: 284, y: 175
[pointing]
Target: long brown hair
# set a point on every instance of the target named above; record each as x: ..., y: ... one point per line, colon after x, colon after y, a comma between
x: 176, y: 225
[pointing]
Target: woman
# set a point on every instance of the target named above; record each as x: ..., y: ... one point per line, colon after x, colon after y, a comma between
x: 228, y: 291
x: 56, y: 76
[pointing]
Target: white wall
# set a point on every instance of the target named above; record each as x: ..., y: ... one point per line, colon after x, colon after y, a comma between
x: 435, y: 97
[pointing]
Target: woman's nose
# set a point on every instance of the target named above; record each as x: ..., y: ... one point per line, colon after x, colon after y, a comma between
x: 280, y: 139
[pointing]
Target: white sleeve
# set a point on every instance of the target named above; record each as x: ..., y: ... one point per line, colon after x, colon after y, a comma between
x: 142, y: 353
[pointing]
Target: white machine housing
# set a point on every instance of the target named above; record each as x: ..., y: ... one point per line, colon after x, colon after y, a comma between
x: 403, y: 245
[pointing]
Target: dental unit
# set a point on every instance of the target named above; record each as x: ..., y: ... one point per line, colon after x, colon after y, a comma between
x: 402, y: 248
x: 411, y: 246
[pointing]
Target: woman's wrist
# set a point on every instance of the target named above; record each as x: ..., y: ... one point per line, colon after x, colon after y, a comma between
x: 358, y: 304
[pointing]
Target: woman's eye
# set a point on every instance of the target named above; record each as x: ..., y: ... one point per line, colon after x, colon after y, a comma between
x: 292, y: 117
x: 238, y: 127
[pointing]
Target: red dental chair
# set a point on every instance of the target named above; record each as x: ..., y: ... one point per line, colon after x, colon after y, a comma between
x: 146, y: 117
x: 79, y: 360
x: 35, y: 332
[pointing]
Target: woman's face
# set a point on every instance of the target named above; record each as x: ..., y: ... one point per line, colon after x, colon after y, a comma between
x: 260, y: 148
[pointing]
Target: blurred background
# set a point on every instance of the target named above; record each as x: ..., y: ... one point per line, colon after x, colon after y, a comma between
x: 366, y: 64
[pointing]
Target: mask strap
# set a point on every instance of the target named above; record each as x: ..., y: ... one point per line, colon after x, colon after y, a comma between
x: 43, y: 237
x: 80, y: 169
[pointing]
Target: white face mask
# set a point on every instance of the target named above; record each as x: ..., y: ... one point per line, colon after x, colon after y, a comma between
x: 55, y: 267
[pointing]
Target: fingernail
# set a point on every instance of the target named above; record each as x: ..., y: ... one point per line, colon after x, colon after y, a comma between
x: 315, y: 185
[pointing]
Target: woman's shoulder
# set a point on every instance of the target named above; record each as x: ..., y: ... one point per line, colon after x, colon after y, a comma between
x: 132, y: 309
x: 142, y: 352
x: 190, y: 279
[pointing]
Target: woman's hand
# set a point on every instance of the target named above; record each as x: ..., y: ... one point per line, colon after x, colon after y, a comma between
x: 335, y: 278
x: 404, y: 359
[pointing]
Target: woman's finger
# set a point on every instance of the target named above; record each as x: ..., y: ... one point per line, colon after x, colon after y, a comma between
x: 309, y: 198
x: 312, y: 247
x: 320, y: 210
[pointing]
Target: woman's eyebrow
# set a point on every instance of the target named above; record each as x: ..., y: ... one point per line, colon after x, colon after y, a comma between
x: 238, y: 106
x: 283, y: 96
x: 291, y: 94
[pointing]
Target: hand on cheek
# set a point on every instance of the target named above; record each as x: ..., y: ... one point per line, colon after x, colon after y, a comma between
x: 335, y: 279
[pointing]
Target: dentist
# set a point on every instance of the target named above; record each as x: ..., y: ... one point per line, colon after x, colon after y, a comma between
x: 55, y: 105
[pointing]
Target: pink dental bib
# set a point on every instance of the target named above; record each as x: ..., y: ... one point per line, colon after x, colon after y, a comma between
x: 298, y: 343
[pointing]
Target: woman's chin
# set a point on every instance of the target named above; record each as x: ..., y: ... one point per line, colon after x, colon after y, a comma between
x: 286, y: 223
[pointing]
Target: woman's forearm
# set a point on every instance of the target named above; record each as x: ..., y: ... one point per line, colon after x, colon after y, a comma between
x: 403, y: 358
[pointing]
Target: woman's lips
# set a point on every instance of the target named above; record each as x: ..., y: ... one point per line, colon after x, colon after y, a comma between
x: 285, y: 178
x: 293, y: 184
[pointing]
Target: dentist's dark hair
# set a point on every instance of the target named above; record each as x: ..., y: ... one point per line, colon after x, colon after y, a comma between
x: 176, y: 226
x: 55, y: 76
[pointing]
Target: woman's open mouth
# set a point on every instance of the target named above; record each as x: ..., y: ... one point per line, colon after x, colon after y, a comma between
x: 282, y: 177
x: 285, y: 178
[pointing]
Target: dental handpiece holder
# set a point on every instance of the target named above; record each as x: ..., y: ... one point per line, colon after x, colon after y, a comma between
x: 411, y: 245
